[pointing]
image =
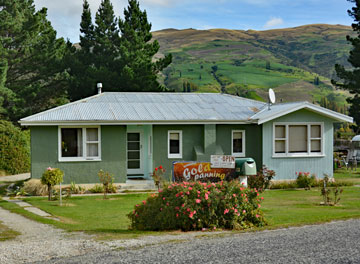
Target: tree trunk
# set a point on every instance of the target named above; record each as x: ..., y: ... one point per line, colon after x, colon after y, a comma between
x: 49, y: 190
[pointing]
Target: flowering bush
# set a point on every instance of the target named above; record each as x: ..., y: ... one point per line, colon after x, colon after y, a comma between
x: 158, y: 176
x: 262, y: 179
x: 304, y: 180
x: 51, y: 177
x: 199, y: 206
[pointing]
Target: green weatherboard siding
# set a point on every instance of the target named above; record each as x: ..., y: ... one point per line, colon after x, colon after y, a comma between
x: 192, y: 135
x: 253, y: 140
x: 285, y: 168
x: 44, y: 153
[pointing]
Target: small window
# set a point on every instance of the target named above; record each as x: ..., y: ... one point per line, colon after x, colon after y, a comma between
x: 78, y: 144
x: 238, y: 143
x: 174, y: 144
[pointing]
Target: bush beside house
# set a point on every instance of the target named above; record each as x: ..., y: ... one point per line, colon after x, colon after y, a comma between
x: 14, y: 149
x: 197, y: 206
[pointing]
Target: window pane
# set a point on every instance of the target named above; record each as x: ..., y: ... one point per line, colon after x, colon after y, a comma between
x: 280, y: 131
x: 174, y: 146
x: 237, y: 145
x: 92, y: 149
x: 92, y: 134
x: 133, y: 164
x: 237, y: 135
x: 315, y: 145
x: 133, y: 154
x: 298, y: 138
x: 71, y: 142
x: 174, y: 136
x: 133, y: 136
x: 280, y: 146
x: 316, y: 131
x: 133, y: 145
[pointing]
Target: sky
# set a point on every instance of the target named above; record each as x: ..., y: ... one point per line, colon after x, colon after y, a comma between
x: 206, y: 14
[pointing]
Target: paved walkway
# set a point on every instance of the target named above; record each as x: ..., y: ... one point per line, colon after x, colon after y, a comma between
x: 13, y: 178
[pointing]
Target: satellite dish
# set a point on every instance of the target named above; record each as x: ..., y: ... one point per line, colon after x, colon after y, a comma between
x: 272, y: 97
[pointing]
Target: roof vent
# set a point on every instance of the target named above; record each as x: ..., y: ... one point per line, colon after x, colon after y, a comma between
x: 99, y: 86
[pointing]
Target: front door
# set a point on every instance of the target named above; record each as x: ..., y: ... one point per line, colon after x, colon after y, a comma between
x: 134, y: 154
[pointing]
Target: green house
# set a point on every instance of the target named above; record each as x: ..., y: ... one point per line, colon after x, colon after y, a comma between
x: 129, y: 134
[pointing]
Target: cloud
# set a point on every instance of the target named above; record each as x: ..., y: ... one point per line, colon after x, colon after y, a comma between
x: 165, y: 3
x: 274, y: 22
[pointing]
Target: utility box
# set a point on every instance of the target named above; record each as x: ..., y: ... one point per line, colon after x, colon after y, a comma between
x: 245, y: 167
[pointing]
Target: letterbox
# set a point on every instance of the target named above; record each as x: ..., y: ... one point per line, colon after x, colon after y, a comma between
x: 245, y: 166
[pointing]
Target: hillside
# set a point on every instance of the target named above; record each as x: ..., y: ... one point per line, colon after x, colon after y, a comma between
x: 249, y: 62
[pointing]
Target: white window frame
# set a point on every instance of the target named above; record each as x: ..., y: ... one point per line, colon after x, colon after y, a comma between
x: 176, y: 155
x: 84, y: 144
x: 238, y: 154
x: 287, y: 154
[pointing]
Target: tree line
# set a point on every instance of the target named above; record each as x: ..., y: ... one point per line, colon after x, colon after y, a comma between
x: 39, y: 71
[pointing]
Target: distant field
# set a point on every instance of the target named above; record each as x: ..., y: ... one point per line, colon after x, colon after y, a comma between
x: 249, y: 62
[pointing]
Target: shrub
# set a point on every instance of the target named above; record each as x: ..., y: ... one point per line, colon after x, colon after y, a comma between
x: 14, y: 149
x: 97, y: 188
x: 326, y: 191
x: 283, y: 185
x: 261, y: 180
x: 198, y: 206
x: 76, y: 189
x: 51, y: 177
x: 107, y: 181
x: 158, y: 176
x: 34, y: 187
x: 304, y: 180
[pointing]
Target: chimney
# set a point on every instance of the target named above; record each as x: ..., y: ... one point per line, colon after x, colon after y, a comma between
x: 99, y: 86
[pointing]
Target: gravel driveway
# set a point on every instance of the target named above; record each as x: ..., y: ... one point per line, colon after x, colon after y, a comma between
x: 336, y: 242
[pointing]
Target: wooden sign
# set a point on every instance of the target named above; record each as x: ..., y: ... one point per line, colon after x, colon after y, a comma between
x: 200, y: 171
x: 222, y: 161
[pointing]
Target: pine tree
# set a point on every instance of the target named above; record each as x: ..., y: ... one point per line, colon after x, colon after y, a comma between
x: 32, y: 71
x: 139, y: 73
x: 350, y: 79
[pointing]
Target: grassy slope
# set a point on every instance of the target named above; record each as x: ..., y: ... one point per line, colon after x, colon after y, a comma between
x: 296, y: 56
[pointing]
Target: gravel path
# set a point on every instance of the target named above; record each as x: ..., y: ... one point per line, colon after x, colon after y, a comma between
x: 39, y: 242
x: 336, y: 242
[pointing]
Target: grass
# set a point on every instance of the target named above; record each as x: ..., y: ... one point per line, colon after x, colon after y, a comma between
x: 6, y: 233
x: 107, y: 218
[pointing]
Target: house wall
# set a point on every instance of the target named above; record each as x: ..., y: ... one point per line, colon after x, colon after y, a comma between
x: 285, y: 168
x: 44, y: 154
x: 253, y: 140
x: 192, y: 135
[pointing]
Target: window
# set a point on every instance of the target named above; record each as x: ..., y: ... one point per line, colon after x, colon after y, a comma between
x: 238, y: 143
x: 78, y: 144
x: 174, y: 144
x: 298, y: 139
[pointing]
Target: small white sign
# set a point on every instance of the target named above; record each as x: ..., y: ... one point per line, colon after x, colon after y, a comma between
x: 222, y: 161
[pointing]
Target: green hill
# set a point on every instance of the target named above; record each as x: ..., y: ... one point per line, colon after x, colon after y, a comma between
x: 249, y: 62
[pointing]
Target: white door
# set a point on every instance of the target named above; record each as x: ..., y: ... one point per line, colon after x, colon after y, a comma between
x: 134, y: 153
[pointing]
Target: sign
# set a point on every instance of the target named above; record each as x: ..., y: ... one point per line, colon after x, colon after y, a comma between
x: 222, y: 161
x: 200, y: 171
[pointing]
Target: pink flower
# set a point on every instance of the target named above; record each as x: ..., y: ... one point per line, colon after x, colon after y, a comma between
x: 259, y: 205
x: 160, y: 209
x: 163, y: 198
x: 214, y: 227
x: 236, y: 210
x: 206, y: 196
x: 257, y: 216
x: 49, y: 169
x: 198, y: 201
x: 244, y: 211
x: 167, y: 204
x: 198, y: 192
x: 177, y: 215
x: 226, y: 211
x: 234, y: 194
x: 188, y: 210
x: 144, y: 202
x: 160, y: 167
x: 191, y: 215
x: 182, y: 205
x: 262, y: 198
x: 190, y: 188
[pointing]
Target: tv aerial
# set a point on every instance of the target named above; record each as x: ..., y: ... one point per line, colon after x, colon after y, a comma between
x: 272, y: 97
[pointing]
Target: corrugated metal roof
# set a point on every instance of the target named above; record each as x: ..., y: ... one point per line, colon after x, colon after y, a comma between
x: 152, y: 107
x: 116, y: 107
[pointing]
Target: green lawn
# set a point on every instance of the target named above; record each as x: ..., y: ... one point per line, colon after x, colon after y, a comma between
x: 348, y: 175
x: 107, y: 218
